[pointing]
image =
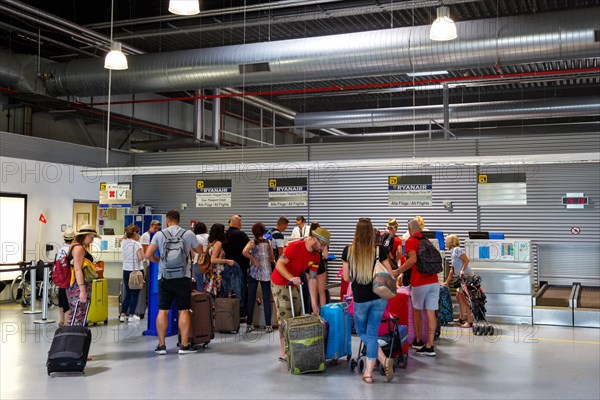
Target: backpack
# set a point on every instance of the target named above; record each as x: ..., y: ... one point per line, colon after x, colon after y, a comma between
x: 269, y: 234
x: 429, y: 260
x: 173, y: 257
x: 61, y: 271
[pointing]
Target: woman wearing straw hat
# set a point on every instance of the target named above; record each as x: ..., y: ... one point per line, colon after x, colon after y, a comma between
x: 79, y: 293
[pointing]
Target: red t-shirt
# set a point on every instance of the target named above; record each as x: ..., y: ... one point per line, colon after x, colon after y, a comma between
x: 417, y: 278
x: 299, y: 259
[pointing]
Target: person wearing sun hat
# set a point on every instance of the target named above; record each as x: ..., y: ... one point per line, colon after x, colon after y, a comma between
x: 63, y: 302
x: 298, y: 257
x: 80, y: 292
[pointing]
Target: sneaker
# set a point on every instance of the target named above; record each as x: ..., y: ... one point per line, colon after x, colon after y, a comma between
x: 189, y: 349
x: 249, y: 328
x: 268, y: 329
x: 417, y: 345
x: 161, y: 349
x: 122, y: 318
x: 426, y: 351
x: 133, y: 318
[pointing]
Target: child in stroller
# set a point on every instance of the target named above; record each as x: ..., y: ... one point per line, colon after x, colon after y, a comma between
x: 392, y: 338
x: 476, y: 300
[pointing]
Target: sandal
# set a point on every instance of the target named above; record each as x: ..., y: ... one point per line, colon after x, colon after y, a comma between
x: 367, y: 379
x: 459, y: 320
x: 389, y: 369
x: 466, y: 325
x: 283, y: 359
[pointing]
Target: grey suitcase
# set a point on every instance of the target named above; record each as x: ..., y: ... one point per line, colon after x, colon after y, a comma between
x: 227, y: 315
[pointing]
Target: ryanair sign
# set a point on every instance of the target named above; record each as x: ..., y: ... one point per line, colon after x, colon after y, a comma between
x: 288, y: 192
x: 213, y: 193
x: 410, y: 191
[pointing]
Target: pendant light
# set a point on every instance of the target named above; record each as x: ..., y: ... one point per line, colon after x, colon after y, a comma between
x: 184, y: 7
x: 115, y: 59
x: 443, y: 28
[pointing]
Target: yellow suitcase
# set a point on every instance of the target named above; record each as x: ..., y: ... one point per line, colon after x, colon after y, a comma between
x: 98, y: 311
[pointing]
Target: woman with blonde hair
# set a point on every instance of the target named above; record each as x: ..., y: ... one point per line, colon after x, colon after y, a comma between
x: 358, y: 262
x: 460, y: 267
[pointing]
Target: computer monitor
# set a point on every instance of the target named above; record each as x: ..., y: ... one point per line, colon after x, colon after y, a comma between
x: 108, y: 231
x: 429, y: 234
x: 479, y: 235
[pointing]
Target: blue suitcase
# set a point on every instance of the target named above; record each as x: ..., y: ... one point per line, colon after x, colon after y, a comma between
x: 339, y: 339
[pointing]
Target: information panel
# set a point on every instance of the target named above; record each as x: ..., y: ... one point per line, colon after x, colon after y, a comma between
x: 502, y: 189
x: 288, y: 192
x: 213, y: 193
x: 115, y: 195
x: 410, y: 191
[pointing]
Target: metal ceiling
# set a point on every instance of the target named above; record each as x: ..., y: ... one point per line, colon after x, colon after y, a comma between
x: 147, y: 27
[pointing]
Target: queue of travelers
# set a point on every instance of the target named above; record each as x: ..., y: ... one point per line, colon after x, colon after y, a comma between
x: 268, y: 261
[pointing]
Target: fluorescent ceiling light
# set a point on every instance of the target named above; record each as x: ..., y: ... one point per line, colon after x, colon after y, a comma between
x: 443, y: 28
x: 427, y: 73
x: 118, y: 173
x: 115, y: 59
x: 184, y: 7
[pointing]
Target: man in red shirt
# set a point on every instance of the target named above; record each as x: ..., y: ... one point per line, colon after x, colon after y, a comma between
x: 425, y: 292
x: 298, y: 256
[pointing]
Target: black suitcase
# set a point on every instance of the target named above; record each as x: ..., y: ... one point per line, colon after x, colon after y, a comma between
x: 70, y: 348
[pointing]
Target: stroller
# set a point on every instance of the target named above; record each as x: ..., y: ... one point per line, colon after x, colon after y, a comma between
x: 476, y: 300
x: 392, y: 343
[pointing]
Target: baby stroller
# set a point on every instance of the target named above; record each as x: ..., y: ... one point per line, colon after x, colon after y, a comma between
x: 476, y: 300
x: 392, y: 343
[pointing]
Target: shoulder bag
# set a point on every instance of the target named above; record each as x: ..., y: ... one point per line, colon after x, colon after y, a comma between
x: 136, y: 277
x: 384, y: 285
x: 204, y: 265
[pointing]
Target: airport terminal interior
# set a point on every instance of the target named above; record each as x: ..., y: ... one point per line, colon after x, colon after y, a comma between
x: 482, y: 117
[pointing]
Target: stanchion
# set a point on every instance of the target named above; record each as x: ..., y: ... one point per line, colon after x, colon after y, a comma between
x: 44, y: 319
x: 33, y: 289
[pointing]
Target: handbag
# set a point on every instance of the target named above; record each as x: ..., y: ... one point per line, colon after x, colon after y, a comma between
x: 89, y: 271
x: 204, y: 265
x: 136, y: 277
x: 384, y: 285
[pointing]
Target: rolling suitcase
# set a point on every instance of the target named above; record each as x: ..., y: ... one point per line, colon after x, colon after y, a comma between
x: 142, y: 303
x: 201, y: 331
x: 98, y: 310
x: 69, y: 349
x: 258, y: 318
x: 304, y: 340
x: 227, y: 314
x: 339, y: 338
x: 445, y: 305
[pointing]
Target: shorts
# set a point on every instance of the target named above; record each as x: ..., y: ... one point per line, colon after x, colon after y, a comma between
x: 322, y: 267
x: 283, y: 304
x: 426, y: 296
x: 179, y: 289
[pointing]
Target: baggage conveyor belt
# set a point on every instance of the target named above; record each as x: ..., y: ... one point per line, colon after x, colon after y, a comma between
x: 586, y: 306
x: 553, y: 305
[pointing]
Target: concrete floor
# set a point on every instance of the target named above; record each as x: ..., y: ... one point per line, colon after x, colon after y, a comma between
x: 525, y: 362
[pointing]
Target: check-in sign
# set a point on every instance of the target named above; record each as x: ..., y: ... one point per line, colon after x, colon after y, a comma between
x: 115, y: 195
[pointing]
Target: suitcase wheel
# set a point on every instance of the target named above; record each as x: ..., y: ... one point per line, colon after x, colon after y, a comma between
x: 142, y: 316
x: 106, y: 321
x: 405, y: 361
x: 352, y: 364
x: 205, y: 346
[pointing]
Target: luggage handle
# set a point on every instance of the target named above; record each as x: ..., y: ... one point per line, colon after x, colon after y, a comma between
x: 290, y: 285
x: 86, y: 312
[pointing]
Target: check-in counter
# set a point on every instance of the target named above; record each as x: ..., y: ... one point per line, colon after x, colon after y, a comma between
x: 553, y: 305
x: 505, y: 267
x: 108, y: 249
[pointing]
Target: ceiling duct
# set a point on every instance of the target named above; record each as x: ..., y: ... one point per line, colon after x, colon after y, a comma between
x: 459, y: 113
x: 483, y: 43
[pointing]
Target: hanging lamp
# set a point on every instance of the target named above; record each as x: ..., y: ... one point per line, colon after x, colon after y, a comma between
x: 443, y: 28
x: 184, y: 7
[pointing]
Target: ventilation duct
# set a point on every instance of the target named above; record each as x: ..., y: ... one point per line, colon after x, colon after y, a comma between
x: 483, y: 43
x: 459, y: 113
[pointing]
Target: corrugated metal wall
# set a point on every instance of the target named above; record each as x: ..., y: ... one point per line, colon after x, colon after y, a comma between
x: 339, y: 197
x: 46, y: 150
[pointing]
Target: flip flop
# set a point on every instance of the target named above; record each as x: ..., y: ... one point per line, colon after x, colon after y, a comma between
x: 367, y: 379
x: 282, y: 359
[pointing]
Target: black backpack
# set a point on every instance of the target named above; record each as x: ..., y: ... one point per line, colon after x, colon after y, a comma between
x: 429, y: 259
